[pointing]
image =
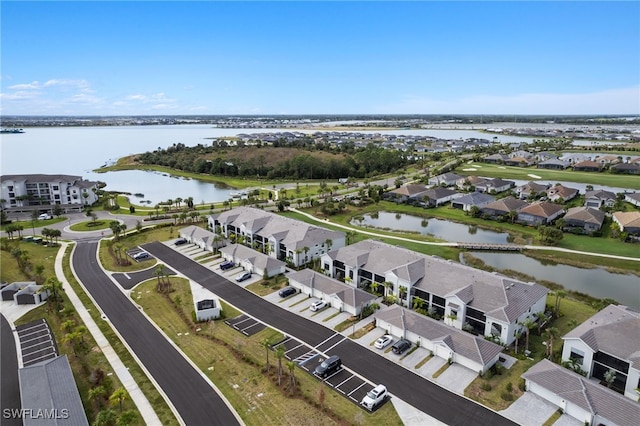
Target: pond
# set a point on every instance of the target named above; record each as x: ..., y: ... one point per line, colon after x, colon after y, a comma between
x: 597, y: 282
x: 438, y: 228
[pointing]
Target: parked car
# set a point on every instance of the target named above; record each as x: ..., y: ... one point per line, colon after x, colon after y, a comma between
x: 287, y: 291
x: 328, y: 366
x: 45, y: 216
x: 243, y: 276
x: 141, y: 255
x: 374, y: 397
x: 318, y: 305
x: 180, y: 241
x: 383, y: 341
x: 227, y: 264
x: 400, y: 346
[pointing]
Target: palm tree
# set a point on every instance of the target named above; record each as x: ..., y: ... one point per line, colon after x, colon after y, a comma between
x: 528, y: 325
x: 105, y: 418
x: 97, y: 395
x: 126, y: 418
x: 54, y: 287
x: 159, y: 272
x: 542, y: 318
x: 291, y: 365
x: 118, y: 397
x: 550, y: 334
x: 279, y: 352
x: 266, y: 344
x: 350, y: 236
x: 517, y: 335
x: 559, y: 295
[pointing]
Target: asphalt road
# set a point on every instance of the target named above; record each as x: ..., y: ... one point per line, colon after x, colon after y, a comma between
x: 428, y: 397
x: 194, y: 399
x: 9, y: 384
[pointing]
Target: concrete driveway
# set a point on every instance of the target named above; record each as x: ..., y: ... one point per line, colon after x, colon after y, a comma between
x: 456, y: 378
x: 529, y: 410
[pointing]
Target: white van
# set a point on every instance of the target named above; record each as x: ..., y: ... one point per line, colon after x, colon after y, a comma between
x: 45, y: 216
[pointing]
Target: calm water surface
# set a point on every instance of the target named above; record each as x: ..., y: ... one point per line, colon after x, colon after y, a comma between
x: 441, y: 229
x: 596, y: 282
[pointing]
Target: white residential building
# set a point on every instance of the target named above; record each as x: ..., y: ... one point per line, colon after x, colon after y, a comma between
x: 278, y: 236
x: 487, y: 303
x: 41, y: 192
x: 609, y: 340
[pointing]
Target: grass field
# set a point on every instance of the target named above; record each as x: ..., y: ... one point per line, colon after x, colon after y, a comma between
x: 522, y: 173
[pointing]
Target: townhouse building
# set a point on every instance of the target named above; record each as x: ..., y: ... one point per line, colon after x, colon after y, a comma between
x: 484, y: 303
x: 278, y: 236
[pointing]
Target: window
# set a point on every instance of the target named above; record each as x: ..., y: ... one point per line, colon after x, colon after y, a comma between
x: 326, y: 266
x: 55, y: 187
x: 576, y: 356
x: 351, y: 274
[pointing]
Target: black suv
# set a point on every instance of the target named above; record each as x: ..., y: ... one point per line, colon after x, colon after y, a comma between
x: 287, y: 291
x: 328, y: 366
x: 400, y: 346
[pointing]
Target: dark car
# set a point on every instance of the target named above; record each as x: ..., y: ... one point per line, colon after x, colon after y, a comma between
x: 287, y: 291
x: 227, y: 264
x: 400, y: 346
x: 141, y: 255
x: 243, y: 276
x: 180, y: 241
x: 328, y: 366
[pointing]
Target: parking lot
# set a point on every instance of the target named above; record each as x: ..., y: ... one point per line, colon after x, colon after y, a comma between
x: 36, y: 342
x: 245, y: 324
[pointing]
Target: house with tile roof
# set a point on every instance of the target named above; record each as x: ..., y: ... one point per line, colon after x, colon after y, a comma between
x: 583, y: 399
x: 503, y: 206
x: 520, y: 161
x: 280, y: 237
x: 560, y: 193
x: 587, y: 166
x: 487, y: 303
x: 437, y: 196
x: 531, y: 189
x: 554, y: 164
x: 478, y: 199
x: 408, y: 192
x: 339, y: 295
x: 42, y: 192
x: 540, y: 213
x: 599, y: 198
x: 445, y: 179
x: 443, y: 341
x: 496, y: 158
x: 495, y: 185
x: 633, y: 198
x: 468, y: 183
x: 587, y: 219
x: 608, y: 341
x: 628, y: 222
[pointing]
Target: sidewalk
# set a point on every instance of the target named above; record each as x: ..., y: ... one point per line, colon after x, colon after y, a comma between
x: 142, y: 403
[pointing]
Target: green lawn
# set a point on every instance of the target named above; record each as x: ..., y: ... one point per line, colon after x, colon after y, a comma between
x: 522, y: 173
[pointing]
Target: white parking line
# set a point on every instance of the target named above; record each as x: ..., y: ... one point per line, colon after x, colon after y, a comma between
x: 326, y: 340
x: 295, y: 347
x: 240, y: 322
x: 252, y: 325
x: 342, y: 340
x: 22, y: 336
x: 40, y: 325
x: 127, y: 276
x: 38, y: 330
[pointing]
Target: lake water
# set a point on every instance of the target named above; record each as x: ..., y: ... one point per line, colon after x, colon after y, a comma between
x: 438, y: 228
x: 596, y: 282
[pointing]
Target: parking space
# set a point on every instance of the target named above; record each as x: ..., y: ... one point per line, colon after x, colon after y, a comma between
x: 245, y: 324
x: 139, y: 255
x: 36, y: 342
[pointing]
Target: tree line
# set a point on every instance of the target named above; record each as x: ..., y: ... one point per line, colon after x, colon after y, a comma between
x: 235, y: 161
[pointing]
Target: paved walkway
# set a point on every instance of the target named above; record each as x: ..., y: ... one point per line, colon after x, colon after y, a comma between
x: 135, y: 393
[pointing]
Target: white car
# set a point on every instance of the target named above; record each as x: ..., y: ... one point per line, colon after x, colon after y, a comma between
x: 374, y: 397
x: 317, y: 305
x: 45, y: 216
x: 383, y: 341
x: 141, y: 255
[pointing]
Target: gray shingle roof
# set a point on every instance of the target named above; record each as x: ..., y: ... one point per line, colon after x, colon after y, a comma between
x: 614, y: 330
x: 585, y: 214
x: 590, y: 396
x: 461, y: 342
x: 50, y: 385
x: 475, y: 198
x: 348, y: 294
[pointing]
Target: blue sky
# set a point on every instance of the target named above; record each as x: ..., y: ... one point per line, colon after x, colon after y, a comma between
x: 298, y: 57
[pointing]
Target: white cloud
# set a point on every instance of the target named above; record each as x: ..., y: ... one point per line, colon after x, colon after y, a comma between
x: 136, y: 97
x: 25, y: 86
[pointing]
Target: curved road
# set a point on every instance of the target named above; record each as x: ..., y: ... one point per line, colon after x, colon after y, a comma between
x: 192, y: 396
x: 428, y: 397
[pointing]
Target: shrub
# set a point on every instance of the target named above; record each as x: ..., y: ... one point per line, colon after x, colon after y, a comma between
x: 509, y: 387
x: 506, y: 396
x: 486, y: 386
